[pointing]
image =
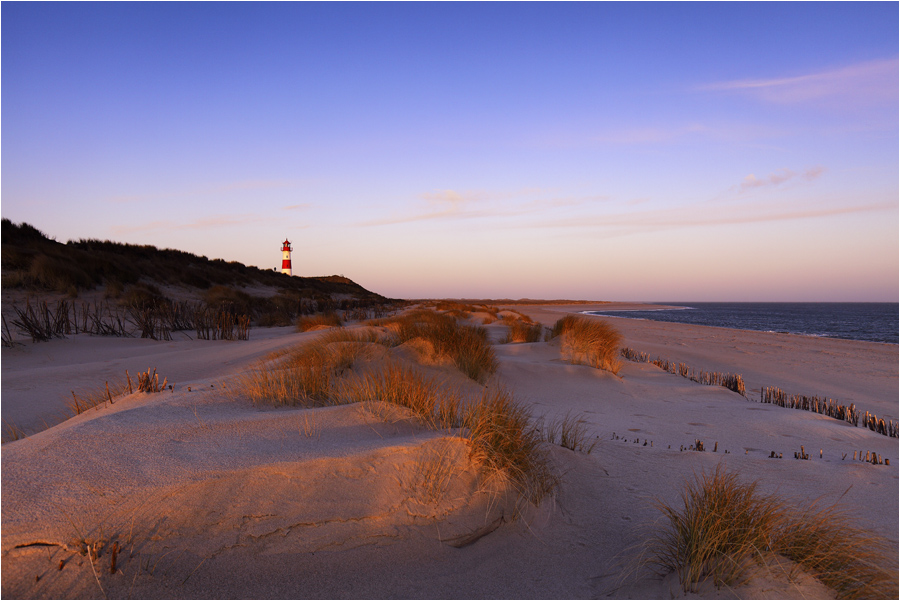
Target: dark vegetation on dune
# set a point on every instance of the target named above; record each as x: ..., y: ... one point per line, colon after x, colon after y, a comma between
x: 131, y: 277
x: 34, y: 261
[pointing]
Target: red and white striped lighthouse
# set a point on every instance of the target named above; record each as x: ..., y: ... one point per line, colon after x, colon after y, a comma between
x: 286, y: 257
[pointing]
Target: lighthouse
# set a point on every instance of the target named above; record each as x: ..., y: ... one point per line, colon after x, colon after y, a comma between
x: 286, y: 257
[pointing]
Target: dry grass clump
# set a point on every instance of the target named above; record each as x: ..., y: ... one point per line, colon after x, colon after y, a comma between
x: 569, y: 432
x: 306, y: 383
x: 436, y: 407
x: 500, y: 430
x: 520, y: 331
x: 589, y: 342
x: 467, y: 346
x: 308, y: 322
x: 11, y: 432
x: 504, y: 438
x: 562, y: 324
x: 847, y: 559
x: 303, y: 376
x: 726, y: 530
x: 306, y: 375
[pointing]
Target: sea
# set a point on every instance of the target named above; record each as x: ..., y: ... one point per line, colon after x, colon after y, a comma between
x: 873, y: 322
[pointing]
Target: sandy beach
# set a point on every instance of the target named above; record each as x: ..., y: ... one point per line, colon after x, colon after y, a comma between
x: 210, y: 496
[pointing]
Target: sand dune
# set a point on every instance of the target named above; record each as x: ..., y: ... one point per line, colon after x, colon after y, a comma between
x: 210, y: 496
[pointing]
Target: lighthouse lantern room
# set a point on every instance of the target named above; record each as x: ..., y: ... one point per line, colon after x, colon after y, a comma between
x: 286, y: 257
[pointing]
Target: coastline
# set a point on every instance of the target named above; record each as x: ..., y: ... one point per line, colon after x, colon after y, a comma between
x: 227, y: 486
x: 872, y: 322
x: 856, y: 371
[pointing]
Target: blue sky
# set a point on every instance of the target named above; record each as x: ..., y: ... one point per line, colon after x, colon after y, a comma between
x: 592, y: 150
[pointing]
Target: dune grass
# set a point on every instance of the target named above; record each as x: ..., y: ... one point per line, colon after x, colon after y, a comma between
x: 568, y: 431
x: 467, y: 346
x: 501, y: 435
x: 588, y: 341
x: 521, y: 331
x: 436, y: 407
x: 305, y: 383
x: 500, y: 430
x: 308, y: 322
x: 725, y: 530
x: 504, y: 439
x: 304, y: 375
x: 562, y: 324
x: 11, y: 432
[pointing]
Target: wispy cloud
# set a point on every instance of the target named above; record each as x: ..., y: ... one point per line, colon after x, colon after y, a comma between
x: 209, y: 190
x: 565, y: 202
x: 453, y: 205
x: 781, y: 176
x: 695, y: 216
x: 302, y: 205
x: 730, y: 132
x: 862, y: 84
x: 451, y: 197
x: 208, y: 223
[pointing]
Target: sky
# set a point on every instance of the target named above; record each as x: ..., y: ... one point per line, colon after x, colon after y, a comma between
x: 601, y: 151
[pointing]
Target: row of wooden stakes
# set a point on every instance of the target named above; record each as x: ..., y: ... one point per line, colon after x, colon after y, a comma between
x: 830, y: 408
x: 732, y: 382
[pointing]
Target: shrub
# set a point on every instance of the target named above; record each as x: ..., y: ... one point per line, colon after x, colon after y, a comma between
x: 725, y: 529
x: 269, y: 319
x: 590, y: 342
x: 114, y: 289
x: 238, y: 301
x: 141, y: 295
x: 279, y: 310
x: 56, y: 273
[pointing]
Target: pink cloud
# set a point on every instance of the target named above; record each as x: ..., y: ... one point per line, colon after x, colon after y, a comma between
x: 198, y: 224
x: 779, y: 177
x: 455, y: 205
x: 872, y: 82
x: 693, y: 217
